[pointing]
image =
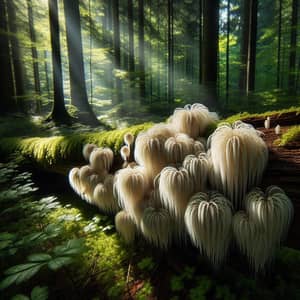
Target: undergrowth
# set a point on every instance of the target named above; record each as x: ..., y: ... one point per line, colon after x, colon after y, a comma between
x: 51, y: 249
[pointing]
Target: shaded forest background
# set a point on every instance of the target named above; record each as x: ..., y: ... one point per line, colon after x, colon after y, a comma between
x: 112, y: 60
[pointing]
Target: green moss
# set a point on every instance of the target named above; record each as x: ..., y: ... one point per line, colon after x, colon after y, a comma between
x: 292, y: 135
x: 68, y: 148
x: 246, y: 115
x: 104, y: 255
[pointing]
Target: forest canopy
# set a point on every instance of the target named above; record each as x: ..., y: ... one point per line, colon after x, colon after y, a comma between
x: 112, y: 59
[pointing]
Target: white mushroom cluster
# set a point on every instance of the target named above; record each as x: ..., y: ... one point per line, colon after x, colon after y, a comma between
x: 175, y: 186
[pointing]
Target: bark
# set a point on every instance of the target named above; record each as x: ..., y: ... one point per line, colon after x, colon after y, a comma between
x: 8, y: 103
x: 293, y: 48
x: 210, y: 50
x: 130, y: 36
x: 252, y: 45
x: 248, y: 46
x: 278, y: 85
x: 200, y: 39
x: 116, y: 43
x: 46, y: 72
x: 244, y: 44
x: 34, y: 53
x: 76, y: 68
x: 18, y: 71
x: 170, y: 53
x: 59, y: 113
x: 227, y: 50
x: 141, y: 49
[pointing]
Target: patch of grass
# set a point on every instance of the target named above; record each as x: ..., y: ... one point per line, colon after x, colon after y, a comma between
x: 246, y: 115
x: 292, y: 135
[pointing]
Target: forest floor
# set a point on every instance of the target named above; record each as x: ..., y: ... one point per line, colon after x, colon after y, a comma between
x: 109, y: 269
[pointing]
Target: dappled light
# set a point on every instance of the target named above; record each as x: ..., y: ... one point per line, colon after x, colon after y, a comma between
x: 149, y: 149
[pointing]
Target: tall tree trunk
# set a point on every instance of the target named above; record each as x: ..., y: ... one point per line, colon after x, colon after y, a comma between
x: 8, y: 103
x: 245, y: 15
x: 117, y: 45
x: 130, y: 36
x: 170, y: 53
x: 210, y: 50
x: 158, y: 51
x: 252, y: 44
x: 279, y: 45
x: 46, y: 73
x: 34, y: 53
x: 200, y: 39
x: 59, y: 113
x: 150, y: 51
x: 141, y: 49
x: 76, y: 68
x: 227, y: 50
x: 248, y: 46
x: 91, y: 52
x: 16, y: 56
x: 293, y: 48
x: 109, y: 45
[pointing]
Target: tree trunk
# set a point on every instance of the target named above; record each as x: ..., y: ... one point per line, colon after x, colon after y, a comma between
x: 76, y: 68
x: 91, y: 52
x: 141, y: 49
x: 158, y: 52
x: 117, y: 44
x: 200, y: 39
x: 8, y: 103
x: 210, y: 50
x: 109, y: 44
x: 245, y: 13
x: 150, y: 69
x: 59, y: 113
x: 16, y: 56
x: 227, y: 50
x: 46, y: 72
x: 248, y: 46
x: 34, y: 53
x: 252, y: 44
x: 170, y: 53
x: 130, y: 36
x: 279, y: 45
x: 293, y: 48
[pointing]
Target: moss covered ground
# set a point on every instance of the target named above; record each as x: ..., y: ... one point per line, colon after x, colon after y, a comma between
x: 49, y: 146
x: 290, y: 136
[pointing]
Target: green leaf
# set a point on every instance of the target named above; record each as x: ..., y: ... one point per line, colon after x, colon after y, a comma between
x: 20, y: 297
x: 72, y: 247
x: 5, y: 244
x: 19, y: 268
x: 39, y: 293
x: 39, y: 257
x: 59, y: 262
x: 20, y: 273
x: 6, y: 282
x: 4, y: 236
